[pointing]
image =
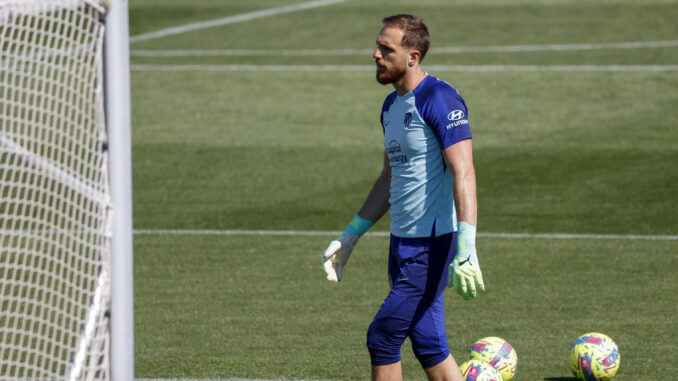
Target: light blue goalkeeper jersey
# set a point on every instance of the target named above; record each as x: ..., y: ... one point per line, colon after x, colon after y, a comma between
x: 417, y: 127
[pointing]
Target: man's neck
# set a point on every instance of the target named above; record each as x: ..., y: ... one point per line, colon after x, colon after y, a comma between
x: 410, y: 81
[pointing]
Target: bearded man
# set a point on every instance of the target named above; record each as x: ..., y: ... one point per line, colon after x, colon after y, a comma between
x: 428, y: 183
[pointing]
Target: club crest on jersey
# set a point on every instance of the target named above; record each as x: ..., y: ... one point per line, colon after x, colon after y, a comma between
x: 408, y: 119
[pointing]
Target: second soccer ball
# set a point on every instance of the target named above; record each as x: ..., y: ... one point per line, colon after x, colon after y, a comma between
x: 477, y: 370
x: 498, y: 353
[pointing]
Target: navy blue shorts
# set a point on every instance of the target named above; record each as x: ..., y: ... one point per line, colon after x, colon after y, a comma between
x: 414, y: 308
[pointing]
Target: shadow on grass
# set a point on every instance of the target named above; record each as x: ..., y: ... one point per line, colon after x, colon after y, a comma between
x: 560, y: 379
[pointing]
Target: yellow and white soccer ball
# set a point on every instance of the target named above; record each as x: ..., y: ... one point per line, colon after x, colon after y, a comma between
x: 594, y: 357
x: 498, y: 353
x: 478, y: 370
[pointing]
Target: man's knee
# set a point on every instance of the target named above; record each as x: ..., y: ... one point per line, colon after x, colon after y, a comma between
x: 383, y: 344
x: 429, y: 360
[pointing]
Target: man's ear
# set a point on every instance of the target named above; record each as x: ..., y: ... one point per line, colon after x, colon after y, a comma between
x: 414, y: 58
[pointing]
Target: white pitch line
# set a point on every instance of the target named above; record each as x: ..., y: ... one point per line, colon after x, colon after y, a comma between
x: 533, y: 68
x: 555, y: 47
x: 446, y: 50
x: 302, y: 233
x: 472, y: 68
x: 231, y: 20
x: 219, y: 379
x: 254, y: 52
x: 212, y: 379
x: 246, y: 67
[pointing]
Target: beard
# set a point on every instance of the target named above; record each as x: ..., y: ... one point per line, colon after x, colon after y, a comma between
x: 386, y: 75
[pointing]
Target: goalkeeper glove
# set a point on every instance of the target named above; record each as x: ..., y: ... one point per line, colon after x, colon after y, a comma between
x: 464, y: 272
x: 337, y: 253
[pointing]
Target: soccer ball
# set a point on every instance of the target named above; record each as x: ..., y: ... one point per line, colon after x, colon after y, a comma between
x: 498, y: 353
x: 594, y: 357
x: 478, y: 370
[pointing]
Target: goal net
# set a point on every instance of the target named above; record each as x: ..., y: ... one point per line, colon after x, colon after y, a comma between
x: 55, y: 209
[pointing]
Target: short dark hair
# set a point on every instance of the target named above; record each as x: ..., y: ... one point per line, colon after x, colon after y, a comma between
x: 415, y: 32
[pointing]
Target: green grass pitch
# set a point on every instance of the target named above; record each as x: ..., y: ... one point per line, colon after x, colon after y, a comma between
x: 582, y: 152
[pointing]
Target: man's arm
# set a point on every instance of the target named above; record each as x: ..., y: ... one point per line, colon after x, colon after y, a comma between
x: 459, y: 159
x: 375, y: 206
x: 464, y: 272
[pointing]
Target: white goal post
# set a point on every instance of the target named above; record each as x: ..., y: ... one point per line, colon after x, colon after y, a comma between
x: 66, y: 297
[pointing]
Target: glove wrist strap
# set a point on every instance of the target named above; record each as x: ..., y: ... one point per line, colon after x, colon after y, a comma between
x: 358, y: 226
x: 466, y: 237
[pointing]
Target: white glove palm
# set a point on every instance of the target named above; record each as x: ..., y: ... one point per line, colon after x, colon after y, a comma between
x: 336, y: 255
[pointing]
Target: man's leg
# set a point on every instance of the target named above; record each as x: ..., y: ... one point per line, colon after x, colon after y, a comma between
x: 391, y: 372
x: 444, y: 371
x: 389, y: 328
x: 428, y: 335
x: 392, y: 322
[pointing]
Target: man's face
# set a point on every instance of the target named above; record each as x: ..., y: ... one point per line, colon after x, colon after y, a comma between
x: 390, y: 56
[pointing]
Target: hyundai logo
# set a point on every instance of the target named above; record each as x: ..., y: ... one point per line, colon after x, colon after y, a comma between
x: 455, y: 115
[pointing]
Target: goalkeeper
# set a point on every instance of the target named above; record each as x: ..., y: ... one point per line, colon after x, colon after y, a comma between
x: 428, y: 182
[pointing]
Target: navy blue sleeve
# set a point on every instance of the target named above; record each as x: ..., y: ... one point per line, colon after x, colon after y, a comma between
x: 444, y: 110
x: 386, y: 106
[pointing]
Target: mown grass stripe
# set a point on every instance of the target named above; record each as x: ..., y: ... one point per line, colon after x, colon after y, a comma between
x: 439, y: 68
x: 443, y: 50
x: 386, y: 234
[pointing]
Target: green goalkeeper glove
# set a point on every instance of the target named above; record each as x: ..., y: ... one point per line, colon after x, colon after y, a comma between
x: 464, y: 272
x: 337, y: 253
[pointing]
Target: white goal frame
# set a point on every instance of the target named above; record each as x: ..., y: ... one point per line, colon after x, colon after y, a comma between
x: 117, y: 111
x: 118, y: 121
